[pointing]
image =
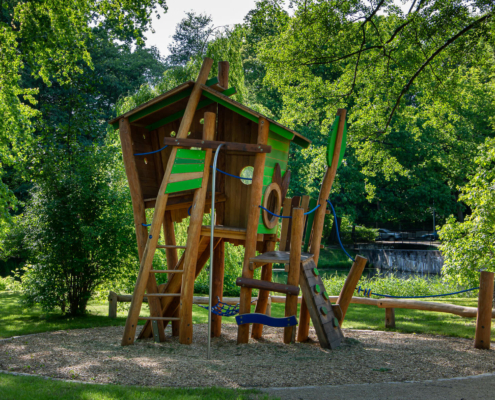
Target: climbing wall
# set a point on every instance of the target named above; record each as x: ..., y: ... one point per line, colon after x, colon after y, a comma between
x: 320, y: 309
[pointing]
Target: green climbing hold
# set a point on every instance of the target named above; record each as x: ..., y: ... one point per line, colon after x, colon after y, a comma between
x: 335, y: 322
x: 324, y: 310
x: 317, y: 289
x: 315, y: 272
x: 325, y: 295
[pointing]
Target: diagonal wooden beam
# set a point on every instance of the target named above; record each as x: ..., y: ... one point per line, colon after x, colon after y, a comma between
x: 161, y: 204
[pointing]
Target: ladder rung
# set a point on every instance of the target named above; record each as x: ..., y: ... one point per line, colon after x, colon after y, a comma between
x: 167, y: 271
x: 159, y: 318
x: 163, y: 295
x: 169, y: 246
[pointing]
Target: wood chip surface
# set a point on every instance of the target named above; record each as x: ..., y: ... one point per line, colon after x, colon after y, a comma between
x: 365, y: 357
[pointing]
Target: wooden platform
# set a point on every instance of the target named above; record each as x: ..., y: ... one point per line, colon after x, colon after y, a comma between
x: 227, y: 232
x: 273, y: 257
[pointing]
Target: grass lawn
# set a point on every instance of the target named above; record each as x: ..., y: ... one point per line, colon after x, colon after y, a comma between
x: 28, y: 388
x: 17, y: 321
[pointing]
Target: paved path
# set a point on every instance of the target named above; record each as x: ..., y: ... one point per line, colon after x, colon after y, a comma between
x: 469, y: 388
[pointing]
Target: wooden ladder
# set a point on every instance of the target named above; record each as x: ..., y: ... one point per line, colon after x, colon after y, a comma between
x: 175, y: 179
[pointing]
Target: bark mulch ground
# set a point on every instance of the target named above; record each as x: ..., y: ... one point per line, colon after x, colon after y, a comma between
x: 365, y: 357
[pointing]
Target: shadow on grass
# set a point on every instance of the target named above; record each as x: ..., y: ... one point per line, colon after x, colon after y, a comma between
x: 23, y: 388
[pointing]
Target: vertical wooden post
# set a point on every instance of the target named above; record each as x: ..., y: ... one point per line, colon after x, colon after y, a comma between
x: 217, y: 287
x: 112, y: 305
x: 304, y: 321
x: 286, y: 210
x: 172, y: 257
x: 294, y: 268
x: 223, y: 74
x: 191, y: 252
x: 263, y: 295
x: 350, y: 284
x: 484, y: 318
x: 390, y: 318
x: 252, y: 227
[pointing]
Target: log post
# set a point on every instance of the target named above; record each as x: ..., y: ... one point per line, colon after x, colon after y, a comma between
x: 390, y: 318
x: 263, y: 295
x: 484, y: 319
x: 350, y: 284
x: 217, y: 286
x: 223, y: 74
x: 294, y: 269
x: 112, y: 305
x: 304, y: 322
x: 193, y: 236
x: 252, y: 227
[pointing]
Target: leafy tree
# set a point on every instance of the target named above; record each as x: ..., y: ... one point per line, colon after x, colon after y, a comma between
x: 469, y: 246
x: 191, y: 38
x: 50, y: 39
x: 413, y: 83
x: 78, y: 230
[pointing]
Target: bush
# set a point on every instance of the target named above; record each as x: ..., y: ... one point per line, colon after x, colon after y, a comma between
x: 395, y: 286
x: 9, y: 283
x: 78, y: 231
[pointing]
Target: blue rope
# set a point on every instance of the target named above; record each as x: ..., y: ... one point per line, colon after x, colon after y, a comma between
x: 368, y: 293
x: 336, y: 222
x: 189, y: 210
x: 275, y: 215
x: 151, y: 152
x: 146, y: 224
x: 313, y: 210
x: 233, y: 176
x: 223, y: 309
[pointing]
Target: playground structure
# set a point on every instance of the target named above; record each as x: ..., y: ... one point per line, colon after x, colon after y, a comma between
x: 191, y: 121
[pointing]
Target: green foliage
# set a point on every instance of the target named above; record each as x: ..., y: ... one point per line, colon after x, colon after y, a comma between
x: 413, y: 84
x: 10, y: 283
x: 78, y: 231
x: 469, y: 246
x: 396, y: 286
x: 48, y: 41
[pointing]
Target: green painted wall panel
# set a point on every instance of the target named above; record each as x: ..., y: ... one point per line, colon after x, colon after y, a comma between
x: 185, y: 168
x: 278, y: 145
x: 184, y: 185
x: 191, y: 154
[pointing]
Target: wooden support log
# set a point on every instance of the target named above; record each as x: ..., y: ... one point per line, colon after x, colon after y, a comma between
x: 484, y: 317
x: 286, y: 210
x: 112, y: 304
x: 213, y: 144
x: 223, y: 74
x: 350, y: 285
x: 252, y: 226
x: 264, y: 285
x: 217, y: 286
x: 294, y: 270
x: 304, y: 322
x: 390, y: 318
x: 193, y: 236
x: 263, y: 295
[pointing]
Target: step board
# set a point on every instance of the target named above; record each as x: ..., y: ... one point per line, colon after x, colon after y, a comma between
x: 167, y: 271
x: 319, y: 306
x: 256, y: 318
x: 265, y: 285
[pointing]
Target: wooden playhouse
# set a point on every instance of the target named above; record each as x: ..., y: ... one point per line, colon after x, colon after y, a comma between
x: 168, y: 145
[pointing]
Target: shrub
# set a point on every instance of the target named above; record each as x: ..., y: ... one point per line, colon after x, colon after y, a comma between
x: 78, y: 231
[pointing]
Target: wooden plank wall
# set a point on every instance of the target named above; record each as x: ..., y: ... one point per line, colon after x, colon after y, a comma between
x: 236, y: 128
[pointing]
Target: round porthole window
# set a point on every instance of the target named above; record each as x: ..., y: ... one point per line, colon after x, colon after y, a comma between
x: 272, y: 201
x: 247, y: 173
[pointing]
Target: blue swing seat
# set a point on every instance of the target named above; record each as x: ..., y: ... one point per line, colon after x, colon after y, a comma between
x: 256, y: 318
